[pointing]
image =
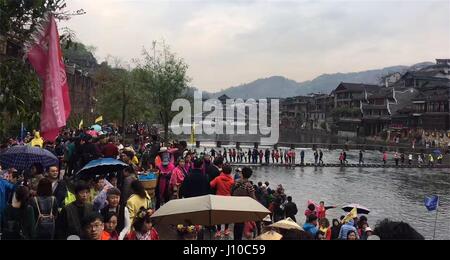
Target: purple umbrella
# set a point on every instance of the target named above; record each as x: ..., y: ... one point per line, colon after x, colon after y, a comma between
x: 22, y: 157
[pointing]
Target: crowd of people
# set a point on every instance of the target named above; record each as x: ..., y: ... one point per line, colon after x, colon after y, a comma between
x: 56, y: 203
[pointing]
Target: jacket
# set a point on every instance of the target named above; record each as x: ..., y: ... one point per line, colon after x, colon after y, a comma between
x: 290, y: 209
x: 222, y: 184
x: 5, y: 188
x: 347, y: 228
x: 133, y: 236
x: 135, y: 203
x: 60, y: 193
x: 18, y: 223
x: 123, y: 219
x: 310, y: 228
x: 37, y: 140
x: 177, y: 177
x: 243, y: 188
x: 69, y: 220
x: 195, y: 184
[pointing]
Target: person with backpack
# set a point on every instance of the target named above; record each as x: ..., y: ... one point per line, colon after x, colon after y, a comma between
x: 18, y: 218
x: 46, y: 210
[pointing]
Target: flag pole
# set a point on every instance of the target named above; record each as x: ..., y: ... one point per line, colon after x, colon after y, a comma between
x: 435, y: 220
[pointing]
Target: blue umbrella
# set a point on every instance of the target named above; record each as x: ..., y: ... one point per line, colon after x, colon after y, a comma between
x: 22, y: 157
x: 102, y: 166
x: 97, y: 128
x: 437, y: 152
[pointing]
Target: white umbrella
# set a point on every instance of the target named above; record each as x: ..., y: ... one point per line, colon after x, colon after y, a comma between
x: 210, y: 210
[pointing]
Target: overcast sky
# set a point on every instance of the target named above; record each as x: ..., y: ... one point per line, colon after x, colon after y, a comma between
x: 226, y: 43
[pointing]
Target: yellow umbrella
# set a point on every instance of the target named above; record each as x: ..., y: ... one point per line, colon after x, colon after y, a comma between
x: 286, y: 224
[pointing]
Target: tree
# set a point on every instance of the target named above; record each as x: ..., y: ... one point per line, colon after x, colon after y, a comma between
x: 20, y: 93
x: 164, y: 78
x: 20, y: 97
x: 120, y: 94
x: 19, y: 18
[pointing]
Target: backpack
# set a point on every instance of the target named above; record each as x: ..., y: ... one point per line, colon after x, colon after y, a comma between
x: 45, y: 224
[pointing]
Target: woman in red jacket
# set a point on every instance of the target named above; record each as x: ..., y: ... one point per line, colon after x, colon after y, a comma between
x: 277, y: 156
x: 222, y: 184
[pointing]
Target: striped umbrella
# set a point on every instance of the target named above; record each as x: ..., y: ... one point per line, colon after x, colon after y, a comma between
x: 22, y: 157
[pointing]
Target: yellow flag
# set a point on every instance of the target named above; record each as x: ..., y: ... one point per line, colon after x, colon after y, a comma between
x: 99, y: 119
x: 351, y: 215
x: 80, y: 126
x: 193, y: 134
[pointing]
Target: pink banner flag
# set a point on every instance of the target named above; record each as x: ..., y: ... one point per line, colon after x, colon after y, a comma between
x: 44, y: 54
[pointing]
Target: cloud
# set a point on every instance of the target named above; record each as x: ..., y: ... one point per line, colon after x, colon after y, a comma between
x: 227, y: 43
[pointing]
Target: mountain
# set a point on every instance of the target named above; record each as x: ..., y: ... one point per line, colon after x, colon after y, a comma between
x: 278, y: 86
x: 275, y: 86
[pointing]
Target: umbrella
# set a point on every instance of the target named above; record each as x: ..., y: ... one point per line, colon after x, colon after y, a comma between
x: 437, y: 152
x: 92, y: 133
x: 102, y: 166
x: 210, y: 210
x: 22, y: 157
x: 270, y: 235
x: 96, y: 128
x: 360, y: 209
x: 286, y: 224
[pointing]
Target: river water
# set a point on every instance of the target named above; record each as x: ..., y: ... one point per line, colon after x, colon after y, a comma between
x: 397, y: 194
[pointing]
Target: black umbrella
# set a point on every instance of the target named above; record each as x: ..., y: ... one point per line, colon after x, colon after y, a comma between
x: 359, y: 209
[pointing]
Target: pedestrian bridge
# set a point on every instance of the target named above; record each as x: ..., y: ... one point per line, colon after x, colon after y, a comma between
x: 348, y: 165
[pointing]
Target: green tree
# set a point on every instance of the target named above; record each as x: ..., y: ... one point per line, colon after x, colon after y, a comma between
x: 19, y: 18
x: 120, y: 95
x: 164, y: 78
x: 20, y: 93
x: 20, y: 97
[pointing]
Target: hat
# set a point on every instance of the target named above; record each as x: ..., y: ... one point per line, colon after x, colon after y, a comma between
x: 368, y: 229
x: 267, y: 219
x: 129, y: 148
x: 270, y: 235
x: 239, y: 169
x: 373, y: 237
x: 163, y: 149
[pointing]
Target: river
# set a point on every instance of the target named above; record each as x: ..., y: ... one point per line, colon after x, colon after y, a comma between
x: 397, y: 194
